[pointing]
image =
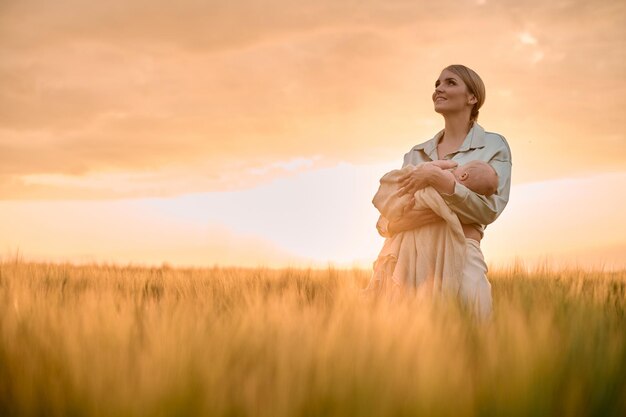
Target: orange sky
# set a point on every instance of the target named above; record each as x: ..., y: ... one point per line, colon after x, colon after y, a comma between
x: 110, y: 109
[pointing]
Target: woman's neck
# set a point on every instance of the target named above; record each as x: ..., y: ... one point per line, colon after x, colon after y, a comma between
x: 457, y: 127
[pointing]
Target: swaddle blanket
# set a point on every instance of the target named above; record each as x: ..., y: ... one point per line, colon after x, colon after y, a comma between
x: 430, y: 258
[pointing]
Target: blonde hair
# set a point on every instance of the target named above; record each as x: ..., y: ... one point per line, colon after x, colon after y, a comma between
x: 474, y: 85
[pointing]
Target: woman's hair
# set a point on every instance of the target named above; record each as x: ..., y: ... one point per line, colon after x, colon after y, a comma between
x: 474, y: 85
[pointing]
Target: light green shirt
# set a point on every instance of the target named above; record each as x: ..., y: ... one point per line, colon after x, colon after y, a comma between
x: 472, y: 208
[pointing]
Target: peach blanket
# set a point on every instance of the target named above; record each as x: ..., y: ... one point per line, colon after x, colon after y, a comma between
x: 429, y: 259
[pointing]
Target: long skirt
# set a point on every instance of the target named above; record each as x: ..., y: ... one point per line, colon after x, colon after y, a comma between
x: 475, y: 289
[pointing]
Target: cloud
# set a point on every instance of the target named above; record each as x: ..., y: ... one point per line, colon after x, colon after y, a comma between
x: 527, y: 38
x: 206, y: 90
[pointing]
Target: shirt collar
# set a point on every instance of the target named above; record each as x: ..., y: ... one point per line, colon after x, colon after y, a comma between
x: 475, y: 139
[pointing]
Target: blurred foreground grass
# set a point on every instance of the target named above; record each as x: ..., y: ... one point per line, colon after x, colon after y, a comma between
x: 125, y: 341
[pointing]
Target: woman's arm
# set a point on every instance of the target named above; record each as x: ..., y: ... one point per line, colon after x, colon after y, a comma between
x: 472, y: 207
x: 425, y: 173
x: 475, y: 208
x: 413, y: 219
x: 410, y: 220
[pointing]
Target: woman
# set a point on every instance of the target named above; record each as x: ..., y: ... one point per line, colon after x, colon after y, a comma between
x: 458, y: 96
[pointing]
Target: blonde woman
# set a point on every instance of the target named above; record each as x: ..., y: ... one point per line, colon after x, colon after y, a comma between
x: 458, y: 96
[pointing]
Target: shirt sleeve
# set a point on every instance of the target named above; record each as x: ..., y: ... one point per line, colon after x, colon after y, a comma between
x: 475, y: 208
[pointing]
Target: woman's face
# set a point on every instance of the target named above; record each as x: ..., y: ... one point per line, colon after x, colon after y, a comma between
x: 451, y: 94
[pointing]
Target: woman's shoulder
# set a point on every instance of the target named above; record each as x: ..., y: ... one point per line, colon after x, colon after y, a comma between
x: 498, y: 144
x: 419, y: 153
x: 496, y: 137
x: 422, y: 152
x: 427, y: 145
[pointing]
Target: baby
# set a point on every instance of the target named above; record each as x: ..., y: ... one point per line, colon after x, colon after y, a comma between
x: 478, y: 176
x: 441, y: 246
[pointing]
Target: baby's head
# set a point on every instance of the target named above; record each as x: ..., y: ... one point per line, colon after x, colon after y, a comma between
x: 478, y: 176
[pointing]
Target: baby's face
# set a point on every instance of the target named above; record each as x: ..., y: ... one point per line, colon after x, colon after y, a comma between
x: 478, y: 176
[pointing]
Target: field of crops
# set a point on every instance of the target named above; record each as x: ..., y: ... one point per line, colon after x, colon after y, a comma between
x: 132, y: 341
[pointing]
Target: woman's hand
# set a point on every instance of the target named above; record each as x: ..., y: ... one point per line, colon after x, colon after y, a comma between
x: 413, y: 219
x: 422, y: 175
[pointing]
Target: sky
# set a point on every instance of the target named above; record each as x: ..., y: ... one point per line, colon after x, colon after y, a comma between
x: 254, y: 133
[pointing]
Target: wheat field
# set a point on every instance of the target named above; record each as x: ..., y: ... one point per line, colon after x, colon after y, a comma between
x: 135, y: 341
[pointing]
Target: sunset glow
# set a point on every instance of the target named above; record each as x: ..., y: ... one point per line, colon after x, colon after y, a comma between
x: 254, y: 133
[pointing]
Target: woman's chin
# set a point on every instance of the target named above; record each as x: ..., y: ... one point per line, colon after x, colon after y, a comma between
x: 443, y: 110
